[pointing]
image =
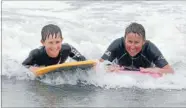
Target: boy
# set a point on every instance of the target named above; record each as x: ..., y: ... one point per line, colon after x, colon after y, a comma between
x: 53, y: 51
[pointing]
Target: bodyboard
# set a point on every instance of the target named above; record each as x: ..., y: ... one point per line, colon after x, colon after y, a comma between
x: 80, y: 64
x: 154, y: 75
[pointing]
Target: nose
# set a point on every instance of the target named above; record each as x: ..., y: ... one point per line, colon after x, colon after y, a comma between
x: 54, y: 46
x: 132, y: 46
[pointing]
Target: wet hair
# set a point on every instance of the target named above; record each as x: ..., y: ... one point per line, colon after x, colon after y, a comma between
x: 135, y: 28
x: 50, y: 29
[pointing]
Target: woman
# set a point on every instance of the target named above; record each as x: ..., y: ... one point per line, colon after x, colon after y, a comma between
x: 134, y: 52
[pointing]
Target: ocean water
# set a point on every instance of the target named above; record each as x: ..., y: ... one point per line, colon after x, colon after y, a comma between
x: 91, y: 26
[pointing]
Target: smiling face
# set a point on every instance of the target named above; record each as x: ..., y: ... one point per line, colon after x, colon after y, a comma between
x: 52, y: 45
x: 134, y: 43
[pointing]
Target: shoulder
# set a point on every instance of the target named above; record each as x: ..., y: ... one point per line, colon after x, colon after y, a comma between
x: 151, y: 50
x: 148, y: 43
x: 66, y: 46
x: 150, y: 46
x: 117, y: 43
x: 155, y: 54
x: 37, y: 51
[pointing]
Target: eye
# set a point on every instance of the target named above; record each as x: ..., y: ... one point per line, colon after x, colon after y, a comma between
x: 129, y: 41
x: 136, y: 42
x: 50, y: 42
x: 57, y: 42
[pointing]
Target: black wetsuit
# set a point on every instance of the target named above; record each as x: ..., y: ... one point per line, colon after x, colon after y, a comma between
x: 39, y: 57
x: 147, y: 57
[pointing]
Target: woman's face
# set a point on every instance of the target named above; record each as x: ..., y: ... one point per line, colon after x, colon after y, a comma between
x: 134, y: 43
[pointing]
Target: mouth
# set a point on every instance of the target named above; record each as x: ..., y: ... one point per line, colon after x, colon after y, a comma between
x: 133, y: 52
x: 54, y: 51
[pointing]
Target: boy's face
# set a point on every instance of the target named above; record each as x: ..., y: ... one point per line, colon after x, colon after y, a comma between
x: 52, y: 45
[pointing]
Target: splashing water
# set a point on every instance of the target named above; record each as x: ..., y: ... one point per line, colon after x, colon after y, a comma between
x: 91, y: 27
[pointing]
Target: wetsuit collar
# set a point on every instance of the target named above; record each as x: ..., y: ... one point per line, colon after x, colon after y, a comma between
x: 136, y: 56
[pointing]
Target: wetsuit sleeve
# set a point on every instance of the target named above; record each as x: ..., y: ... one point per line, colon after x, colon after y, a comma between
x: 76, y: 55
x: 31, y: 59
x: 110, y: 53
x: 157, y: 57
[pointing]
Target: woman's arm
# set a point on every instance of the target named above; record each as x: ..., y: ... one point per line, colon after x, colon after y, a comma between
x: 164, y: 70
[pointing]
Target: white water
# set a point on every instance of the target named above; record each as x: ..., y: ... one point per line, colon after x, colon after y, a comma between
x: 91, y: 27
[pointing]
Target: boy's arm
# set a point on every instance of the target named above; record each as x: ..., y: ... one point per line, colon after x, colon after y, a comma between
x: 31, y: 59
x: 76, y: 55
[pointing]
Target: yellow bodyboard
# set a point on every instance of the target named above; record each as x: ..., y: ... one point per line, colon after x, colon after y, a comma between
x: 47, y: 69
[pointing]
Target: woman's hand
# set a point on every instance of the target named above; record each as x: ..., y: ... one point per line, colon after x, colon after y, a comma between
x: 114, y: 68
x: 165, y: 70
x: 151, y: 70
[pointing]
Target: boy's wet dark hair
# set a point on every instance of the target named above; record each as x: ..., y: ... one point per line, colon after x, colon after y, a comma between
x: 135, y: 28
x: 50, y: 29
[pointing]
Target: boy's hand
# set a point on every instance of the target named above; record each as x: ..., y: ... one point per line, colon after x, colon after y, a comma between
x: 33, y: 69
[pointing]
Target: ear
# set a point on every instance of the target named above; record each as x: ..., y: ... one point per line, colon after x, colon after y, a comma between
x: 42, y: 42
x: 144, y: 42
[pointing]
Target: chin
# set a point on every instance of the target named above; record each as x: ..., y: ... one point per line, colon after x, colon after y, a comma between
x: 54, y: 55
x: 132, y: 55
